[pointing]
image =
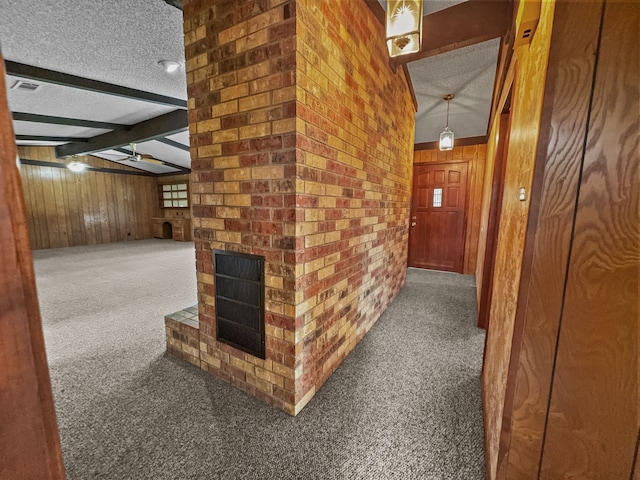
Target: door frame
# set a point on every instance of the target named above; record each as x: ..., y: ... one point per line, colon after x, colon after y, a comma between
x: 493, y: 223
x: 466, y: 205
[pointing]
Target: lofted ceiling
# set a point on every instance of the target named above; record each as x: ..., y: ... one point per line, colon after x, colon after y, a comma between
x: 81, y: 53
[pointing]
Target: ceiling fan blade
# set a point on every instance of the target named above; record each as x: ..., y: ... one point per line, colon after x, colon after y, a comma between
x: 114, y: 155
x: 150, y: 159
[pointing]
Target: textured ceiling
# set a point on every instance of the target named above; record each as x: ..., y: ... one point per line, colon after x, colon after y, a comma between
x: 116, y: 41
x: 468, y: 73
x: 60, y: 101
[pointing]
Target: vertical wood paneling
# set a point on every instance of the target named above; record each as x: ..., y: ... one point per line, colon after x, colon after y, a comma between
x: 557, y: 172
x: 528, y: 85
x: 593, y: 417
x: 475, y: 207
x: 87, y: 212
x: 61, y: 212
x: 30, y: 202
x: 66, y: 208
x: 39, y: 200
x: 475, y: 156
x: 103, y: 207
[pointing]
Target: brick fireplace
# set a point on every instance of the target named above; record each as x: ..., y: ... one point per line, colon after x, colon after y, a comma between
x: 302, y: 147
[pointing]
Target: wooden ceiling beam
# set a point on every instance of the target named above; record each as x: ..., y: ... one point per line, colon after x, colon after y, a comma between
x: 49, y: 138
x: 173, y: 143
x: 461, y: 25
x: 167, y: 124
x: 74, y: 122
x: 30, y: 72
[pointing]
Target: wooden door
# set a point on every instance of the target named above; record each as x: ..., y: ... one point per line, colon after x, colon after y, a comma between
x: 436, y: 238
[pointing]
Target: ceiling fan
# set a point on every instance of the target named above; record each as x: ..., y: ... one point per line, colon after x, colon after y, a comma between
x: 137, y: 157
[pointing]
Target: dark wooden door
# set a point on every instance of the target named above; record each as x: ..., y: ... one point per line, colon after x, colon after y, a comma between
x: 436, y: 238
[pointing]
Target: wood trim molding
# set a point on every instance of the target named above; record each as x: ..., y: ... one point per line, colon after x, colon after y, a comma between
x: 459, y: 142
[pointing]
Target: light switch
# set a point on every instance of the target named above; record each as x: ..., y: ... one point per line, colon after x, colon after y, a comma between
x: 522, y: 194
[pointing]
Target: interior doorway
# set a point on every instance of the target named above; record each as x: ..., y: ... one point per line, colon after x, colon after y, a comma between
x: 493, y: 226
x: 438, y: 216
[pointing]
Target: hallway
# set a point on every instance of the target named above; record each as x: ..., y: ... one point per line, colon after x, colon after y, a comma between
x: 405, y: 404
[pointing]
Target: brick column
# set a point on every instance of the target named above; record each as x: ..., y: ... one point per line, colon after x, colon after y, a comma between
x: 241, y: 87
x: 301, y: 145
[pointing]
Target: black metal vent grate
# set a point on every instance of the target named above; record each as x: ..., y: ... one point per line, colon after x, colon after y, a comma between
x: 239, y: 282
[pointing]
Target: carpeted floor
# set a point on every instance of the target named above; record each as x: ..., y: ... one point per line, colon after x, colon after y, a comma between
x: 404, y: 405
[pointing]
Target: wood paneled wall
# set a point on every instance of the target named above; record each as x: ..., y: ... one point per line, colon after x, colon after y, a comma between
x: 529, y: 63
x: 560, y: 380
x: 67, y: 209
x: 475, y: 155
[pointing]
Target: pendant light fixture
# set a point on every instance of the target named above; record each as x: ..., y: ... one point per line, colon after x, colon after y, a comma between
x: 404, y: 26
x: 447, y: 137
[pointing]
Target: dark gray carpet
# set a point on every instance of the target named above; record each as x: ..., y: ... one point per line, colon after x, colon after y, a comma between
x: 404, y: 405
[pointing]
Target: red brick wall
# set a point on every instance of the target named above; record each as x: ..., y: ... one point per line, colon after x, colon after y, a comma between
x: 241, y: 87
x: 302, y: 145
x: 355, y: 155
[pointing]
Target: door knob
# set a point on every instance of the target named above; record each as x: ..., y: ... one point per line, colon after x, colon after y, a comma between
x: 413, y: 224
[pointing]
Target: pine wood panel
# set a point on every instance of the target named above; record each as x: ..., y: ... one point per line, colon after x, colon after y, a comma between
x: 557, y: 174
x: 67, y: 209
x: 593, y: 413
x: 475, y: 156
x: 29, y: 442
x: 528, y: 86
